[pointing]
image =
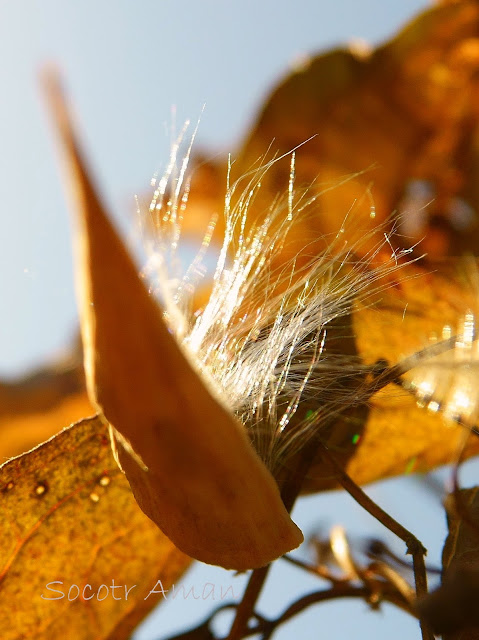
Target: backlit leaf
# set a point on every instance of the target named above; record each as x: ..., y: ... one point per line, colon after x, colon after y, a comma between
x: 38, y: 405
x: 402, y: 119
x: 68, y: 516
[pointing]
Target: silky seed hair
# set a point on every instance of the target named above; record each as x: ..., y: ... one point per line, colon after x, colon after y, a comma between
x: 261, y: 341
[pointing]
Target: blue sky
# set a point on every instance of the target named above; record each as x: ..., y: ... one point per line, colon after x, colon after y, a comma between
x: 127, y: 65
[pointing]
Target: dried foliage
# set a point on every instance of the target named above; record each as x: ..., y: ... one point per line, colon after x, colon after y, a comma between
x: 69, y: 517
x: 37, y: 406
x: 321, y: 355
x: 452, y: 608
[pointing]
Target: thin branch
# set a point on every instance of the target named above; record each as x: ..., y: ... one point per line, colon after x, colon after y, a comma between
x: 291, y: 488
x: 377, y: 549
x: 246, y: 607
x: 345, y: 590
x: 394, y: 578
x: 413, y: 545
x: 392, y: 374
x: 318, y: 571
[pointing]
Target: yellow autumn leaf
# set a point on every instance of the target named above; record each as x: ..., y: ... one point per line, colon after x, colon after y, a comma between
x: 69, y: 520
x: 188, y: 460
x: 402, y: 119
x: 36, y: 406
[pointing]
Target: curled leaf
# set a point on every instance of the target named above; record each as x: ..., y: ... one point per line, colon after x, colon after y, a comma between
x: 189, y: 462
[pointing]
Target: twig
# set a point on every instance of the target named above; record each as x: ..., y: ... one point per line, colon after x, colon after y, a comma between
x: 345, y: 590
x: 378, y: 549
x: 246, y: 606
x: 291, y: 487
x: 413, y: 545
x: 318, y: 571
x: 392, y: 374
x: 394, y: 578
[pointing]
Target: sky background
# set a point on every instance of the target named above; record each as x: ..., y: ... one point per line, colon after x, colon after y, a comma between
x: 127, y: 66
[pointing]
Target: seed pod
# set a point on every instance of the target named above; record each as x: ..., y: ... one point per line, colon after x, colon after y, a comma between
x: 188, y: 460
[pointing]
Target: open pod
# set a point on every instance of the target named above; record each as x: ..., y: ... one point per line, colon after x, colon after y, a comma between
x: 189, y: 462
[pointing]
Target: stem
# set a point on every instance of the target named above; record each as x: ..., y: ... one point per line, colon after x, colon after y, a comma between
x: 247, y: 604
x: 392, y: 374
x: 413, y: 545
x: 291, y: 488
x: 462, y: 509
x: 339, y: 591
x: 345, y: 590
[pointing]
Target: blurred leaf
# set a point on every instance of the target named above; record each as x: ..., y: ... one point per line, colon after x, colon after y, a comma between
x: 462, y: 544
x: 400, y: 437
x: 68, y: 515
x: 34, y: 407
x: 452, y: 609
x: 402, y: 119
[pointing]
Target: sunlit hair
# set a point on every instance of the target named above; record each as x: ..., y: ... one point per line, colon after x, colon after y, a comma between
x: 262, y: 339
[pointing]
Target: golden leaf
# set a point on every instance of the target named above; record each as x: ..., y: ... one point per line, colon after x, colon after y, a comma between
x: 189, y: 461
x: 38, y: 405
x: 68, y: 516
x: 401, y: 119
x: 399, y: 436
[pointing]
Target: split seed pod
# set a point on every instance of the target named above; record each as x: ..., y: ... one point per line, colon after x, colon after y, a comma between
x: 188, y: 460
